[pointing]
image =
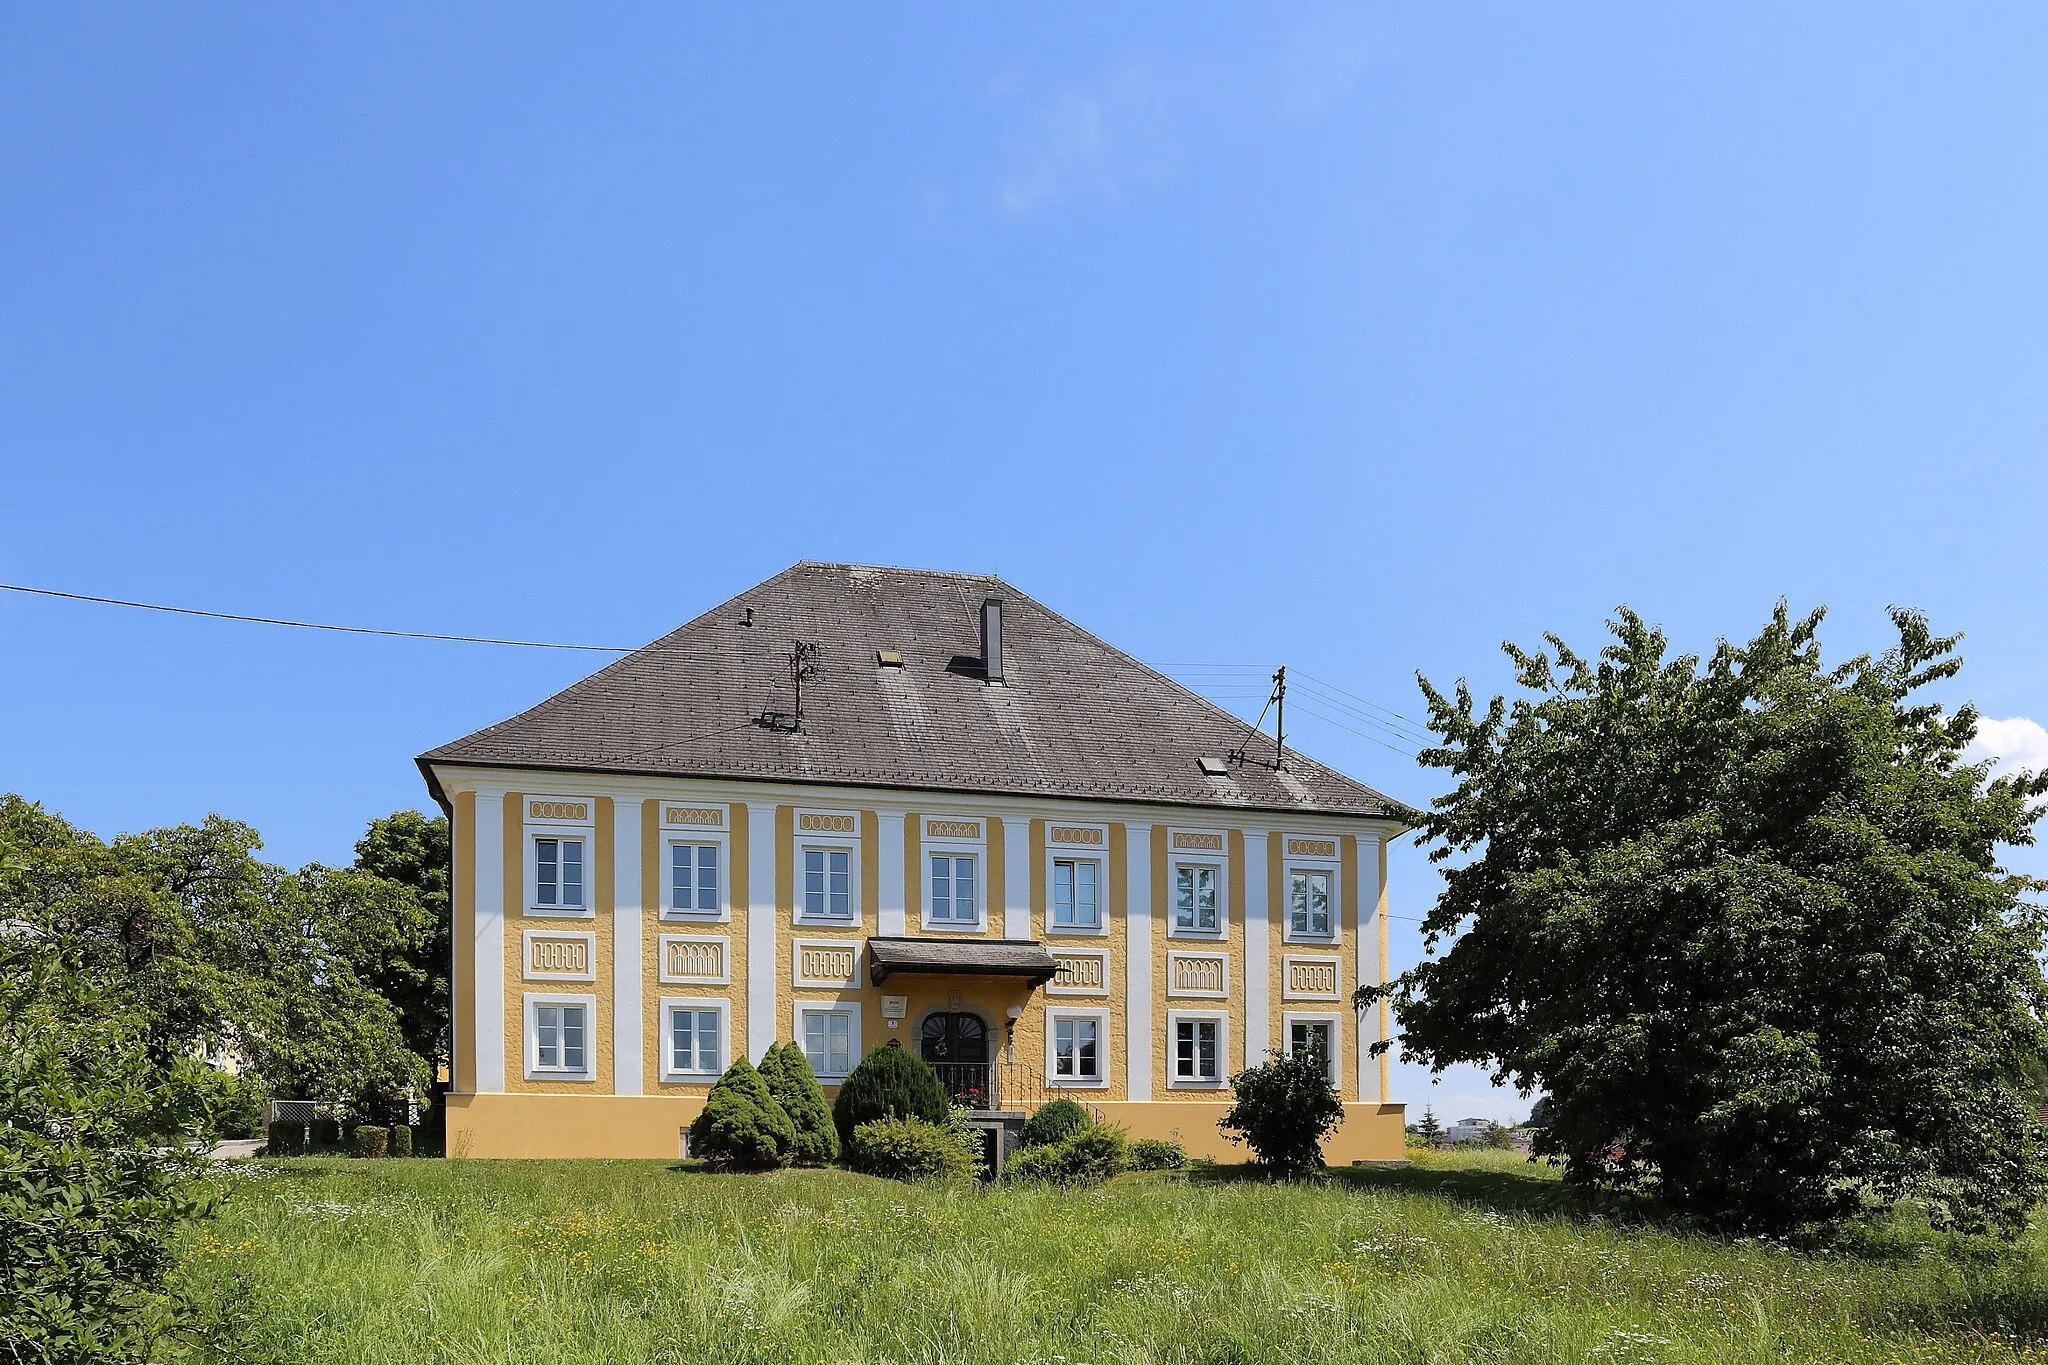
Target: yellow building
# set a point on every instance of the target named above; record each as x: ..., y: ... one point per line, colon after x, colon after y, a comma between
x: 855, y: 806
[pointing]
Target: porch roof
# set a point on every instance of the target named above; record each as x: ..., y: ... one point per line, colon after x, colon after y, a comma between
x: 960, y: 957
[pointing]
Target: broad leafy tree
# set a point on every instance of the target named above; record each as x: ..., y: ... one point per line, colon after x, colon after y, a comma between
x: 1744, y: 921
x: 399, y: 944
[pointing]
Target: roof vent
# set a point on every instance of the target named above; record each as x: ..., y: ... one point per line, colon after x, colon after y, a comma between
x: 1213, y: 767
x: 992, y: 639
x: 889, y: 658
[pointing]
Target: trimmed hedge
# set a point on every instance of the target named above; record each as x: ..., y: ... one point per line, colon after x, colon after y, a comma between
x: 1157, y: 1154
x: 372, y: 1140
x: 741, y: 1126
x: 1052, y: 1122
x: 401, y: 1140
x: 890, y: 1083
x: 909, y: 1149
x: 790, y: 1080
x: 1088, y: 1157
x: 285, y: 1139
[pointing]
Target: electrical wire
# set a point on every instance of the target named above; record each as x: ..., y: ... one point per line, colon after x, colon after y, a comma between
x: 315, y: 625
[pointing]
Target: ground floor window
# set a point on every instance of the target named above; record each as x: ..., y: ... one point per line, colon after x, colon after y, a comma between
x: 558, y: 1036
x: 831, y: 1038
x: 1198, y: 1049
x: 1075, y: 1044
x: 1317, y: 1037
x: 694, y: 1038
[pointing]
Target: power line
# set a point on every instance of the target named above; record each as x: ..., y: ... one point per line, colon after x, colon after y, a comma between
x: 1373, y: 739
x: 315, y: 625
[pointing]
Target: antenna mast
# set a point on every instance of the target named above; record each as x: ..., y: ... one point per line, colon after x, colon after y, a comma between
x: 1280, y: 718
x: 800, y: 667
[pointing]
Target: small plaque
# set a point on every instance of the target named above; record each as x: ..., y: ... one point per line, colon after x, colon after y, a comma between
x: 895, y: 1006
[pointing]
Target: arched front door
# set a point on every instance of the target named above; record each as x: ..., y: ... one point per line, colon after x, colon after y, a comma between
x: 956, y: 1045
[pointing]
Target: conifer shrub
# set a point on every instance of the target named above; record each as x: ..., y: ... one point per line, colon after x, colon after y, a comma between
x: 372, y: 1139
x: 789, y: 1078
x: 890, y: 1083
x: 1158, y: 1154
x: 401, y: 1140
x: 909, y: 1149
x: 741, y: 1126
x: 1052, y: 1122
x: 1087, y: 1157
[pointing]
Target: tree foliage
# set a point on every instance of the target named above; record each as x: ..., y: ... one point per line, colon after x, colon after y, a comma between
x: 399, y: 944
x: 1745, y: 922
x: 741, y: 1127
x: 1285, y: 1108
x: 890, y: 1083
x: 789, y: 1078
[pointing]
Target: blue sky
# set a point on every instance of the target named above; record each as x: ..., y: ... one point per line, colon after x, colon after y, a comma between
x: 1355, y: 337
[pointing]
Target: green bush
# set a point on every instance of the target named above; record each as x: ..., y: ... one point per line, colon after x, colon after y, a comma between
x: 890, y: 1083
x: 372, y: 1140
x: 1284, y: 1110
x: 237, y: 1102
x: 741, y: 1126
x: 1052, y: 1122
x: 401, y: 1140
x: 93, y: 1180
x: 1088, y: 1157
x: 909, y: 1149
x: 326, y: 1135
x: 285, y: 1138
x: 789, y: 1078
x: 1157, y: 1154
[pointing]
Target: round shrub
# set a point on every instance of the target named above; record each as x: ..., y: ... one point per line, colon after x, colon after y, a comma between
x: 372, y: 1140
x: 741, y: 1126
x: 401, y: 1140
x: 1088, y: 1157
x: 1052, y: 1122
x: 789, y: 1078
x: 909, y: 1149
x: 1157, y: 1154
x: 890, y: 1083
x: 1284, y: 1110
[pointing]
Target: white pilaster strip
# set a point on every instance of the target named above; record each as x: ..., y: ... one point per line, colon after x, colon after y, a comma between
x: 1258, y: 980
x: 889, y: 878
x: 1138, y: 962
x: 626, y: 947
x: 489, y: 947
x: 764, y: 963
x: 1016, y: 878
x: 1367, y: 970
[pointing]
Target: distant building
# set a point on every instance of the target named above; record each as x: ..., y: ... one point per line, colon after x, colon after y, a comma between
x: 1469, y: 1130
x: 982, y: 833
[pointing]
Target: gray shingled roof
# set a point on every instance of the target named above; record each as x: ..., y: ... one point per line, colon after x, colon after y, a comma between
x: 1072, y: 718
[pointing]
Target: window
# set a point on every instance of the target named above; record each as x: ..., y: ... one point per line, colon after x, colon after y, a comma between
x: 952, y: 890
x: 693, y: 879
x: 558, y: 1036
x: 1076, y: 1048
x: 828, y: 883
x: 1194, y: 898
x: 1076, y: 894
x: 558, y: 873
x: 830, y: 1039
x: 694, y: 1039
x: 1315, y: 1036
x: 1197, y: 1051
x: 1308, y: 904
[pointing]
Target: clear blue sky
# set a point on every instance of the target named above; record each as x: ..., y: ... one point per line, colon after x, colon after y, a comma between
x: 1355, y: 337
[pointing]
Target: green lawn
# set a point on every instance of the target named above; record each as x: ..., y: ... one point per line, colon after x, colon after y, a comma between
x: 1461, y: 1258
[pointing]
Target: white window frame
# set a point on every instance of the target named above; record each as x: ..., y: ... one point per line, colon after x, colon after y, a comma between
x: 1221, y: 864
x: 1099, y: 1018
x: 1336, y: 1024
x: 1304, y: 866
x: 1078, y: 853
x: 810, y: 842
x: 850, y: 1008
x: 951, y: 852
x: 530, y: 1044
x: 665, y: 1043
x: 696, y: 838
x: 1174, y: 1019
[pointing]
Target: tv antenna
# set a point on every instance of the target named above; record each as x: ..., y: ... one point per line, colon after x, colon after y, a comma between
x: 800, y: 667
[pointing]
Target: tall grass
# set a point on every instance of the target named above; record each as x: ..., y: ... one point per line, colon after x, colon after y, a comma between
x: 1468, y: 1258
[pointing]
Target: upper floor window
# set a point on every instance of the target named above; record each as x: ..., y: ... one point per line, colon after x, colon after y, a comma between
x: 828, y: 884
x: 1308, y: 903
x: 952, y: 890
x: 558, y: 873
x: 1076, y: 893
x: 1195, y: 898
x: 693, y: 879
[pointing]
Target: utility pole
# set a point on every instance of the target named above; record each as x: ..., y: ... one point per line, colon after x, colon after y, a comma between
x: 1280, y: 718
